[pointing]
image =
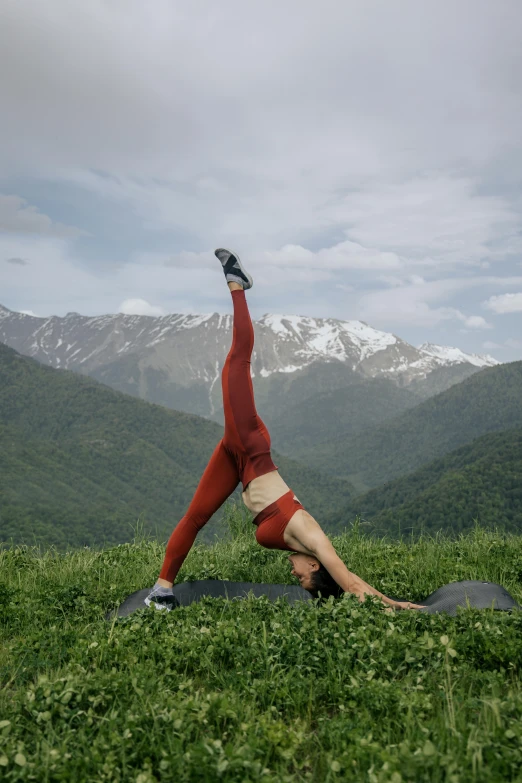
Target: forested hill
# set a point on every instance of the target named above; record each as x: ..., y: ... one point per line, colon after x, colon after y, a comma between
x: 480, y: 482
x: 79, y: 462
x: 488, y: 401
x: 354, y: 408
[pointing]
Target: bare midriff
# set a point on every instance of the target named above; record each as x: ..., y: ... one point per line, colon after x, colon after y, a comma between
x: 264, y: 490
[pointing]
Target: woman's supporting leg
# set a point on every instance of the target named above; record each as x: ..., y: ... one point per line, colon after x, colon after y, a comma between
x: 246, y: 435
x: 219, y: 480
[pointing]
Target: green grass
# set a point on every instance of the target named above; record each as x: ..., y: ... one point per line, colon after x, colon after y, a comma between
x: 253, y: 691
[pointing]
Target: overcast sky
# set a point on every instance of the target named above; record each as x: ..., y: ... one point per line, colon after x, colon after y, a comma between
x: 363, y: 157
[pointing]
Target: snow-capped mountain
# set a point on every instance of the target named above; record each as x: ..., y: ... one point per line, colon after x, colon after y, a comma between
x: 144, y: 355
x: 455, y: 356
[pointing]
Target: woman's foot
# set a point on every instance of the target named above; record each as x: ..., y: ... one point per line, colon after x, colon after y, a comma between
x: 234, y: 272
x: 161, y: 598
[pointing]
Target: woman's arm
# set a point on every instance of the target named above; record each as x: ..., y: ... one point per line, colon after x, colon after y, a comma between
x: 305, y: 535
x: 323, y: 549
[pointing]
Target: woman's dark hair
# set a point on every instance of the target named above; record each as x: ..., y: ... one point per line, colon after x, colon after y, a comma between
x: 323, y: 585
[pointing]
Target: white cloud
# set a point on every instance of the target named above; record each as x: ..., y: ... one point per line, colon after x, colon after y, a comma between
x: 291, y: 268
x: 431, y: 220
x: 345, y: 255
x: 476, y: 322
x: 140, y: 307
x: 18, y: 217
x: 60, y: 283
x: 505, y: 303
x: 342, y: 256
x: 412, y: 303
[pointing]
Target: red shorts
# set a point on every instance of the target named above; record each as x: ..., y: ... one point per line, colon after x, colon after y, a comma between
x: 272, y: 521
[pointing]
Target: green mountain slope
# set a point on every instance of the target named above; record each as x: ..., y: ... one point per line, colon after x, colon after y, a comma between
x: 480, y: 482
x: 280, y: 391
x: 488, y: 401
x: 126, y: 375
x: 349, y: 410
x: 322, y: 400
x: 79, y: 462
x: 441, y: 379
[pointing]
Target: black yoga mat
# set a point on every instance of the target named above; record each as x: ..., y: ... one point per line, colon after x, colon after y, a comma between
x: 190, y: 592
x: 480, y: 595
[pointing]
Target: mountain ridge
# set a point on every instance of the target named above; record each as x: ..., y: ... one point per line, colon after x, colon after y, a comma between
x: 488, y: 401
x: 176, y: 359
x: 476, y: 483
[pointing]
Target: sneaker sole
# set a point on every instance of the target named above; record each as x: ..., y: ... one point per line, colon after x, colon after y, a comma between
x: 150, y: 602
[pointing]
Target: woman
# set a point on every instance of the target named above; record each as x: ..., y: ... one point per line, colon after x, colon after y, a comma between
x: 244, y: 455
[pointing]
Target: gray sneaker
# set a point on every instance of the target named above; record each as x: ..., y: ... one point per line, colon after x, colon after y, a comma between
x: 234, y: 272
x: 161, y: 598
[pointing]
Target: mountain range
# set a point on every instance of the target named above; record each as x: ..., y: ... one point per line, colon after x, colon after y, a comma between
x: 350, y: 409
x: 176, y: 360
x: 80, y: 462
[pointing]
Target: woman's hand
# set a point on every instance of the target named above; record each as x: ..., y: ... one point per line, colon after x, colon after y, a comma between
x: 405, y: 605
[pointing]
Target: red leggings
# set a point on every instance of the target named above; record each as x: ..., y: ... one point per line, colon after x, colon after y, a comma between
x: 242, y: 455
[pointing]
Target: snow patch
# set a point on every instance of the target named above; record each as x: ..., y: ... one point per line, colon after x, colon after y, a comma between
x: 275, y: 323
x: 264, y: 373
x: 191, y: 321
x: 326, y: 341
x: 368, y: 340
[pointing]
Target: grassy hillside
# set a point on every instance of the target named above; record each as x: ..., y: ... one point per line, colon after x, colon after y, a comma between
x: 349, y: 410
x: 488, y: 401
x: 250, y: 691
x: 80, y: 463
x: 479, y: 483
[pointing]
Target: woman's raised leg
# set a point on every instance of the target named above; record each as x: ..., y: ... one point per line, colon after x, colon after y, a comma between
x: 245, y: 433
